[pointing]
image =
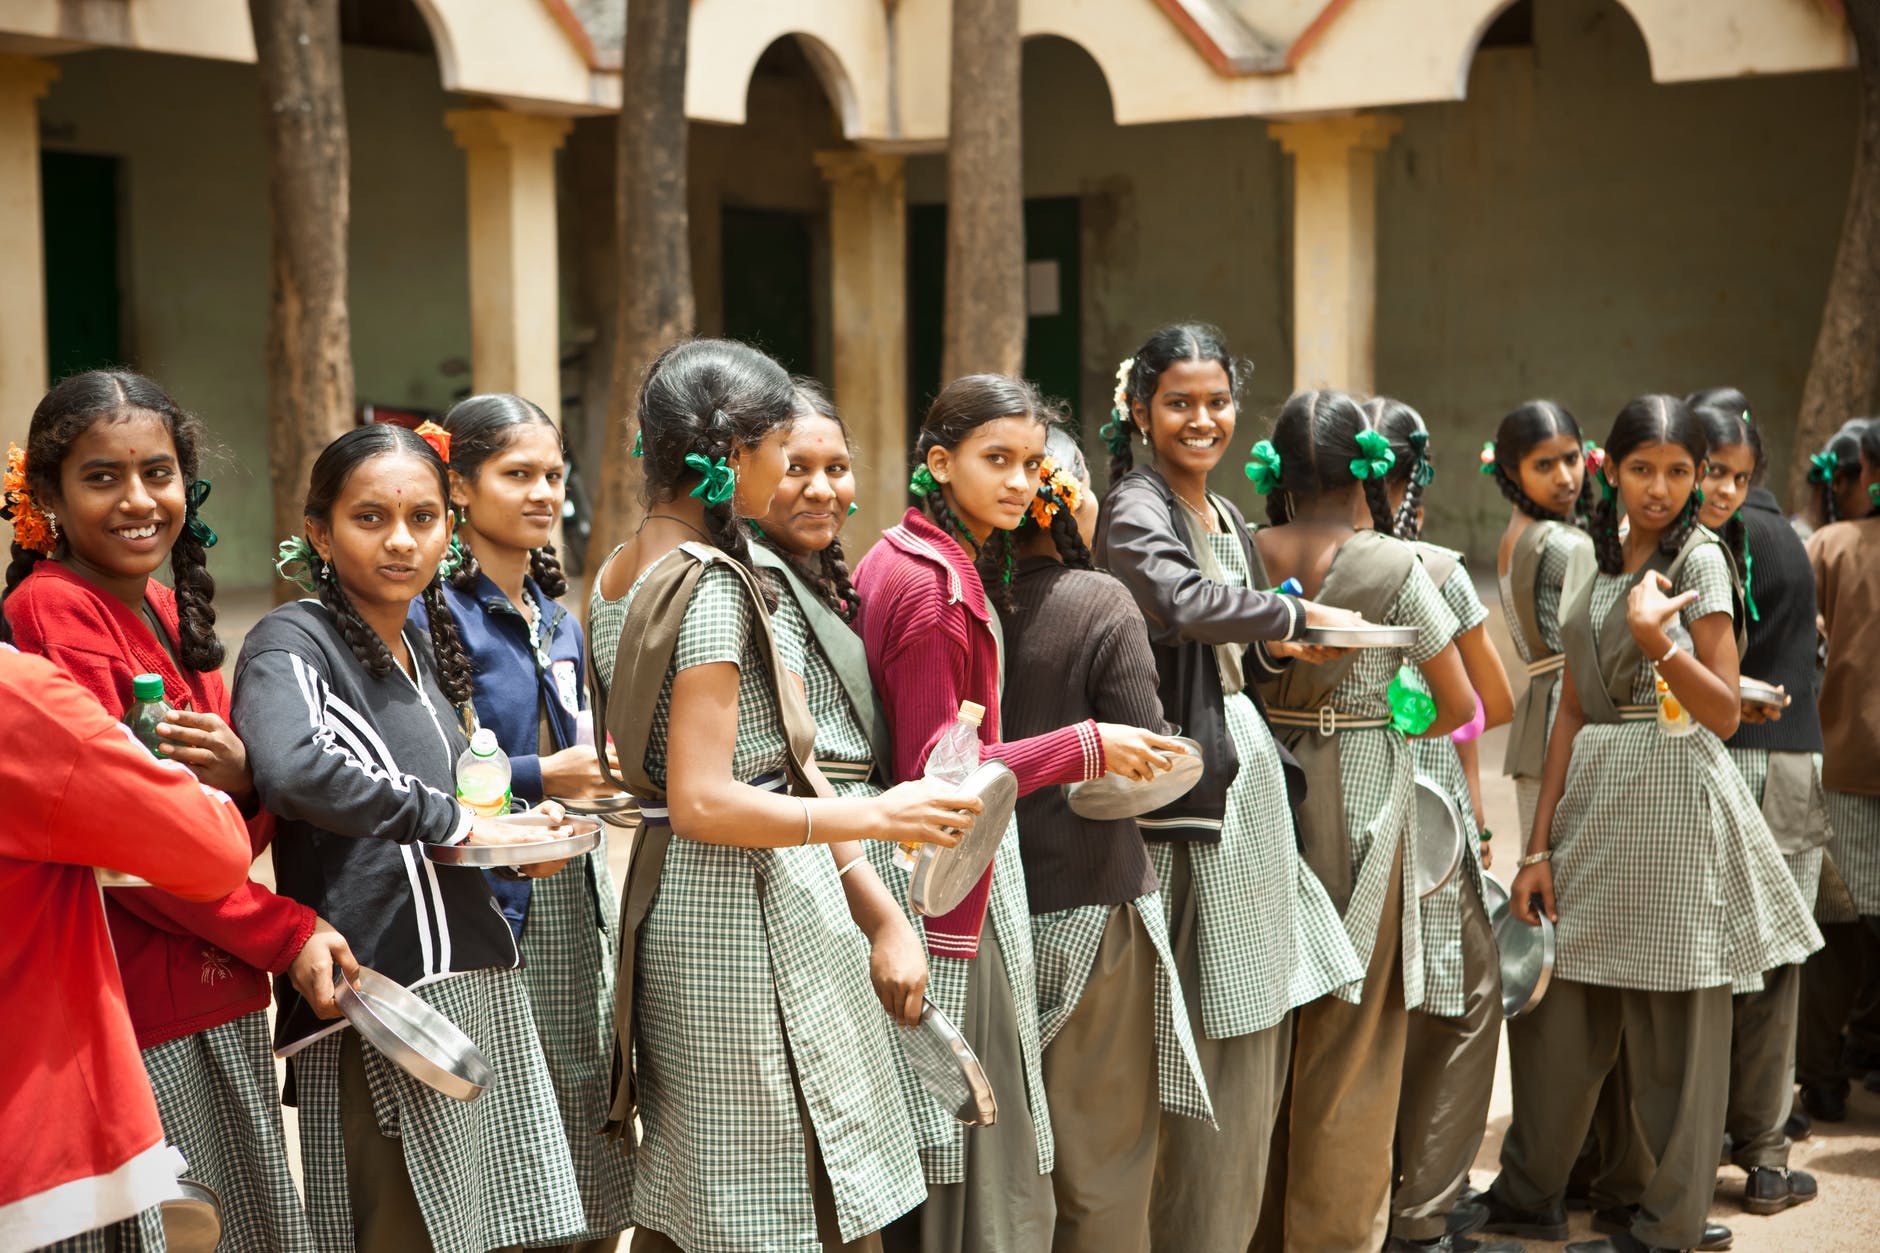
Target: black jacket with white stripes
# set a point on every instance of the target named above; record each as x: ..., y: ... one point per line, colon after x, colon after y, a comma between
x: 359, y: 773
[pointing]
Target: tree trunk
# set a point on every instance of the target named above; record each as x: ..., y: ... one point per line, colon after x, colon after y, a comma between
x: 1845, y: 370
x: 310, y: 372
x: 655, y: 298
x: 985, y: 282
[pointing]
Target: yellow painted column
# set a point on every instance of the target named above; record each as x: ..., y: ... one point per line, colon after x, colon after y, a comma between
x: 868, y: 282
x: 23, y: 80
x: 515, y: 297
x: 1335, y: 246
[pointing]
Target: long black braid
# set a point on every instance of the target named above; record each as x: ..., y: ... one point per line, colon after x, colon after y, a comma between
x: 1409, y: 442
x: 995, y: 559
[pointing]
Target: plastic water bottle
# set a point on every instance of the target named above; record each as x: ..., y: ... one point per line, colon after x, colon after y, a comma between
x: 147, y: 709
x: 1673, y: 718
x: 955, y: 755
x: 483, y: 776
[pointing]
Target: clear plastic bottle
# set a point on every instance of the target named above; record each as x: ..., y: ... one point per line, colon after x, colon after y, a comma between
x: 955, y: 755
x: 483, y: 776
x: 1673, y: 718
x: 147, y: 709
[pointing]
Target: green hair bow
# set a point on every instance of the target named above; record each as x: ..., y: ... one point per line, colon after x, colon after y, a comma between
x: 453, y: 558
x: 1263, y: 469
x: 1412, y: 712
x: 639, y: 443
x: 294, y: 560
x: 1822, y: 466
x: 921, y: 482
x: 193, y: 496
x: 718, y: 482
x: 1488, y: 456
x: 1374, y: 458
x: 1115, y: 433
x: 1425, y: 472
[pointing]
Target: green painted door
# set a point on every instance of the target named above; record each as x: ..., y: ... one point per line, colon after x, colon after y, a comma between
x: 769, y: 296
x: 80, y: 198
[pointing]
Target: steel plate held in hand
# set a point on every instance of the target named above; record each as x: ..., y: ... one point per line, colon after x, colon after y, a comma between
x: 1756, y: 692
x: 948, y: 1069
x: 1114, y: 796
x: 1527, y: 962
x: 1361, y: 637
x: 413, y: 1035
x: 192, y: 1223
x: 943, y: 876
x: 576, y: 836
x: 1440, y: 835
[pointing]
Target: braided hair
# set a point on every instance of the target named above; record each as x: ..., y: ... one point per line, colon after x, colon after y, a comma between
x: 1316, y: 435
x: 331, y: 470
x: 1182, y: 341
x: 708, y: 398
x: 480, y: 427
x: 963, y: 406
x: 1410, y: 441
x: 1844, y: 446
x: 1645, y: 422
x: 67, y: 412
x: 1724, y: 414
x: 1061, y: 447
x: 1870, y: 457
x: 829, y: 576
x: 1521, y: 429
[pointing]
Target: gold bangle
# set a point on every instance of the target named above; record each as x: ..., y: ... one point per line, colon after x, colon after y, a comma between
x: 809, y: 824
x: 855, y: 861
x: 1535, y: 859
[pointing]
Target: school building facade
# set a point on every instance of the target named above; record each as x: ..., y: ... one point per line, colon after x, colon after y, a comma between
x: 1463, y: 203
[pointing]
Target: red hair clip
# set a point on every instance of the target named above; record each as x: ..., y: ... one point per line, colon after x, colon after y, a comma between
x: 438, y: 438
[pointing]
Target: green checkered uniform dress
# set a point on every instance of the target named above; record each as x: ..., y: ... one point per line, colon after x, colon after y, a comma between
x: 753, y: 985
x: 1552, y: 574
x: 1665, y: 874
x: 839, y: 738
x: 1441, y: 910
x: 1269, y: 937
x: 1855, y: 847
x: 487, y: 1173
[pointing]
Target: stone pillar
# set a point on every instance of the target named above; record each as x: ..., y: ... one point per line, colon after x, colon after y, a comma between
x: 868, y: 283
x: 23, y: 80
x: 1335, y: 246
x: 515, y: 298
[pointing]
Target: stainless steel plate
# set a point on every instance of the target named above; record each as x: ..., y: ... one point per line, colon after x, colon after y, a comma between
x: 949, y: 1070
x: 596, y: 806
x: 1756, y: 692
x: 1361, y: 637
x: 943, y: 876
x: 1527, y: 962
x: 1494, y: 897
x: 192, y: 1223
x: 585, y: 837
x: 1114, y: 796
x: 414, y: 1036
x: 1440, y: 835
x: 118, y: 879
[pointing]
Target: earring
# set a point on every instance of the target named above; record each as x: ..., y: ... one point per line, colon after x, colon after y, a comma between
x: 1145, y: 436
x: 853, y: 509
x: 52, y: 524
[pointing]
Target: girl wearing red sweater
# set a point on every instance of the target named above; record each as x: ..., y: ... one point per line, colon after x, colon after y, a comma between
x: 933, y: 640
x: 104, y: 494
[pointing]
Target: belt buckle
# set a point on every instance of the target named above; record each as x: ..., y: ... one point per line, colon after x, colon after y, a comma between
x: 1328, y: 720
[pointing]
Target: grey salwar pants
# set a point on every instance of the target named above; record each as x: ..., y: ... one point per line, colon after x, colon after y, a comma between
x: 1762, y: 1069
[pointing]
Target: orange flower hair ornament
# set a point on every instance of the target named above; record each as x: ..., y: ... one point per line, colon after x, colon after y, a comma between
x: 32, y: 530
x: 437, y: 437
x: 1057, y: 489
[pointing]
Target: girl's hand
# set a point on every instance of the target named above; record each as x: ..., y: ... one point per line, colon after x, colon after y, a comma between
x: 210, y: 747
x: 1487, y: 852
x: 1766, y: 713
x: 923, y: 812
x: 897, y: 966
x: 486, y: 832
x: 576, y: 773
x: 1649, y: 612
x: 1135, y: 753
x: 1311, y: 654
x: 312, y: 970
x: 1534, y: 881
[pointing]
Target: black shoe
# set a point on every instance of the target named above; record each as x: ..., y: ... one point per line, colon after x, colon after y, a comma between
x: 1463, y: 1244
x: 1798, y: 1126
x: 1618, y: 1242
x: 1717, y: 1237
x: 1825, y: 1102
x: 1452, y: 1244
x: 1506, y: 1220
x: 1466, y: 1217
x: 1614, y: 1219
x: 1770, y: 1190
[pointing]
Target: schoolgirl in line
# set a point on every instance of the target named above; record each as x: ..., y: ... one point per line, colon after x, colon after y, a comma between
x: 507, y: 483
x: 933, y: 639
x: 1254, y: 934
x: 1778, y: 753
x: 350, y: 714
x: 1839, y: 476
x: 1326, y: 461
x: 1639, y: 951
x: 107, y: 491
x: 1453, y: 1038
x: 1846, y: 560
x: 750, y: 1046
x: 1119, y: 1052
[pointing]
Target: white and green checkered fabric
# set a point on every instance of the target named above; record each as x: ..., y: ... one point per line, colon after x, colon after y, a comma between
x: 1066, y: 943
x: 488, y: 1173
x: 1548, y: 581
x: 568, y: 950
x: 142, y: 1234
x: 838, y: 736
x: 1856, y: 846
x: 1665, y: 874
x: 215, y: 1093
x: 1804, y: 867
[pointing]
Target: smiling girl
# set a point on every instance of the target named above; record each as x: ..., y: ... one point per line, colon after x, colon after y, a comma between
x: 347, y: 708
x: 933, y: 639
x: 111, y: 467
x: 1648, y: 851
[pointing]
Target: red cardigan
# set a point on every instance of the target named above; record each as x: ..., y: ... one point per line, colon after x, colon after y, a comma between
x: 84, y: 1146
x: 187, y: 966
x: 928, y: 632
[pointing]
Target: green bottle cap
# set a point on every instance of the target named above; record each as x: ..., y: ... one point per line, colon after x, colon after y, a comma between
x: 147, y: 687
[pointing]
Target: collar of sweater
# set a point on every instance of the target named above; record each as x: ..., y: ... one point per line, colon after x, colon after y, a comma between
x: 920, y: 539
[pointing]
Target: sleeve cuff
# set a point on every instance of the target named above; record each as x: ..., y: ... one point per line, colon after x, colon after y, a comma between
x: 1265, y: 660
x: 1090, y: 741
x: 1298, y: 619
x: 465, y: 817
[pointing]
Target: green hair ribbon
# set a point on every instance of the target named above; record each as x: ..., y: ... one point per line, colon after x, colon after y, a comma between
x: 718, y: 482
x: 1749, y: 578
x: 1263, y: 469
x: 1488, y: 456
x: 453, y: 558
x: 1115, y: 433
x: 639, y: 443
x: 1606, y: 489
x: 1822, y: 466
x: 1873, y: 494
x: 1412, y: 712
x: 193, y: 496
x: 1374, y: 458
x: 921, y: 481
x: 294, y: 560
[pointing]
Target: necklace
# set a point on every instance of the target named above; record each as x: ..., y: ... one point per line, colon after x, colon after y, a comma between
x: 1206, y: 516
x: 667, y: 517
